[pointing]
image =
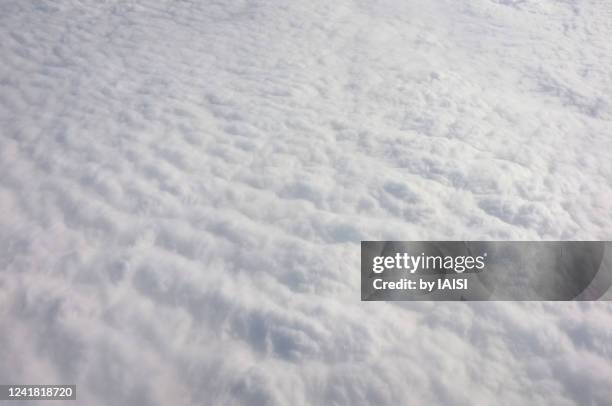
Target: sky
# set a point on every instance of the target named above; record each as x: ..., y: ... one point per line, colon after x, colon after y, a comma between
x: 184, y: 186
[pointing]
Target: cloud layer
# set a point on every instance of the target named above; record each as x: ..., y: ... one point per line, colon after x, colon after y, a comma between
x: 184, y: 185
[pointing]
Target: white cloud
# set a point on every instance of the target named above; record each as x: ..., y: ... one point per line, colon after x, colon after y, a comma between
x: 183, y: 186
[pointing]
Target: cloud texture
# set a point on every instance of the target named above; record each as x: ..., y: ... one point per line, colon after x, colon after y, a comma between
x: 183, y: 186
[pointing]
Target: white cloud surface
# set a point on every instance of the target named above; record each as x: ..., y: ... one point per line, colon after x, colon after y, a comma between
x: 183, y: 186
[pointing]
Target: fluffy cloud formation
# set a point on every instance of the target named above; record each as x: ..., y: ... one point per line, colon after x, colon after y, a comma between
x: 184, y: 185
